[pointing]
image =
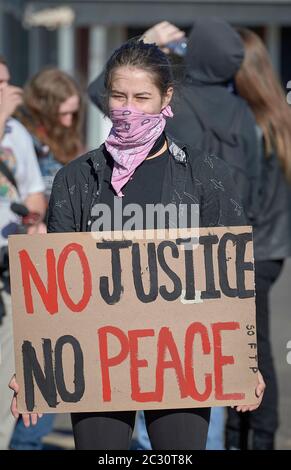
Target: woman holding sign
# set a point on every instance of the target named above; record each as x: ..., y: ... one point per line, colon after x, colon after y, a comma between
x: 140, y: 165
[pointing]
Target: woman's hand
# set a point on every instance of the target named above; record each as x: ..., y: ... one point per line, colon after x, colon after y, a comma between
x: 260, y: 388
x: 37, y: 228
x: 163, y: 33
x: 28, y: 418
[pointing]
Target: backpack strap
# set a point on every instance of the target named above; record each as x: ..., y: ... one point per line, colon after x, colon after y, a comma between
x: 8, y: 174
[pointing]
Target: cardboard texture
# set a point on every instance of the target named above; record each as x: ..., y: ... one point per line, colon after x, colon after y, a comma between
x: 134, y: 323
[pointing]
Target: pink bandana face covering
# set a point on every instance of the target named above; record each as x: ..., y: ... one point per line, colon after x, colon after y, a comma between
x: 130, y: 140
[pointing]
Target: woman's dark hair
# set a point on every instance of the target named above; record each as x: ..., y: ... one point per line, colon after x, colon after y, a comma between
x: 148, y: 57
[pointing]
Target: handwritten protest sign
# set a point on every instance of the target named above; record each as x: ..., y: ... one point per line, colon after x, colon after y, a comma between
x: 135, y: 323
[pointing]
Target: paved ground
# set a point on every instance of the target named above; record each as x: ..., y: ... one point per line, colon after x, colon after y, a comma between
x: 281, y: 334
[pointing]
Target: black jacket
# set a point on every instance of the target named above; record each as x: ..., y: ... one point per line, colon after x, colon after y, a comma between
x: 190, y: 177
x: 272, y: 227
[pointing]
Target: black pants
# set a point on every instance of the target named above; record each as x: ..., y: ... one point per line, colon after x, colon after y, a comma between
x: 264, y: 421
x: 184, y: 429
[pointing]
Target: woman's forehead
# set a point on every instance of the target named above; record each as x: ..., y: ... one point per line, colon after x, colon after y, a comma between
x: 132, y: 78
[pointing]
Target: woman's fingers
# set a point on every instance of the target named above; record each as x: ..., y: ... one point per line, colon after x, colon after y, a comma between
x: 29, y: 419
x: 174, y: 34
x: 26, y: 419
x: 244, y: 408
x: 260, y: 387
x: 13, y: 408
x: 163, y: 33
x: 168, y: 33
x: 14, y: 385
x: 33, y: 418
x: 259, y: 392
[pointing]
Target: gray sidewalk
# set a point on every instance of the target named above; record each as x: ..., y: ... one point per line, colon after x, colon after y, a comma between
x: 281, y: 334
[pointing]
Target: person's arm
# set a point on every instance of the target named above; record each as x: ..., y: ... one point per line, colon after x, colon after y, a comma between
x: 162, y: 34
x: 60, y: 212
x: 221, y: 205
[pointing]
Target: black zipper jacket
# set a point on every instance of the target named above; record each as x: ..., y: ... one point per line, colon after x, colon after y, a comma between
x: 190, y: 178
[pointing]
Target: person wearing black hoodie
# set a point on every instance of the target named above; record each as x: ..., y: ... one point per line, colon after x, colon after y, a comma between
x: 206, y: 101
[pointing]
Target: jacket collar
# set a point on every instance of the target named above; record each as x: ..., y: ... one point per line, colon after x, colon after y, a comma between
x: 179, y: 152
x: 97, y: 157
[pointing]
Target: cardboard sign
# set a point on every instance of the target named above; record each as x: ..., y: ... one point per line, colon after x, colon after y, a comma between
x: 135, y: 323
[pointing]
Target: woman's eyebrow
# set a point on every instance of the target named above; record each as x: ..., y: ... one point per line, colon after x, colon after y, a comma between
x: 143, y: 93
x: 117, y: 91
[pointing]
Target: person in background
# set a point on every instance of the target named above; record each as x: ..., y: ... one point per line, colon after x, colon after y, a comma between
x: 52, y: 113
x: 258, y: 84
x: 20, y: 184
